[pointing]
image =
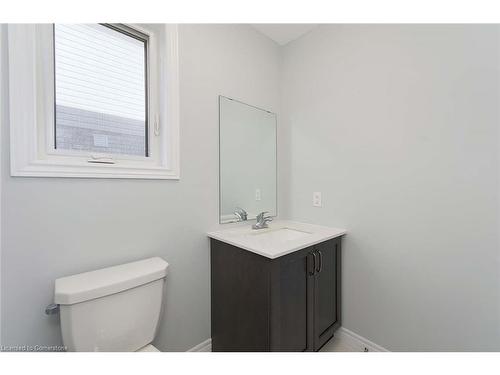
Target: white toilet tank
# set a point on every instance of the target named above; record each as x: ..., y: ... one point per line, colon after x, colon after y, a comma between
x: 112, y: 309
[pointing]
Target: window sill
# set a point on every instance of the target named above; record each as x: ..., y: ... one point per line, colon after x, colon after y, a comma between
x: 44, y: 169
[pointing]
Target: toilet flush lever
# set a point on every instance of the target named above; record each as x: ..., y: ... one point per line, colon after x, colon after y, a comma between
x: 52, y: 309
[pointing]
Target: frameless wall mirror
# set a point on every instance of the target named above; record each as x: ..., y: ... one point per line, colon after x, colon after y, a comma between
x: 247, y: 161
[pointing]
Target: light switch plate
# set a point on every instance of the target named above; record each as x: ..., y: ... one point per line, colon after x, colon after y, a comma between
x: 317, y: 199
x: 257, y: 195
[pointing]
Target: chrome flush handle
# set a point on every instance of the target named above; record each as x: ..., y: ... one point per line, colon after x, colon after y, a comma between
x: 52, y: 309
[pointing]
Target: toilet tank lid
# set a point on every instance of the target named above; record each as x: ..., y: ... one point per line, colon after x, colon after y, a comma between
x: 89, y: 285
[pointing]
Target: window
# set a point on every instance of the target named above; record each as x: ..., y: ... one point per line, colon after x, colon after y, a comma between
x: 100, y: 89
x: 104, y: 99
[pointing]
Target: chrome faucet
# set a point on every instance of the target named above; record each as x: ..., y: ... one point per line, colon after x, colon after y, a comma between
x: 241, y: 214
x: 262, y: 221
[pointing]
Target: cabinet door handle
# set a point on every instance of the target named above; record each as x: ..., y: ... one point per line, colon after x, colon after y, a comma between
x: 320, y: 261
x: 314, y: 264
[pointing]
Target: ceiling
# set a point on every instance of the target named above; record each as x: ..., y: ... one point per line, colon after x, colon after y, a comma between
x: 283, y: 33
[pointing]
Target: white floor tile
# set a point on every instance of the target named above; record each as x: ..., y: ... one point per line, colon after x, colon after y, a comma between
x: 334, y: 345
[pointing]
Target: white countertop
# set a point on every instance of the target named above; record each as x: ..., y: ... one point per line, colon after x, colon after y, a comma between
x: 281, y: 238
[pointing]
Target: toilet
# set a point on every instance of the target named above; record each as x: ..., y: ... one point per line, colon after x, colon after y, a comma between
x: 115, y: 309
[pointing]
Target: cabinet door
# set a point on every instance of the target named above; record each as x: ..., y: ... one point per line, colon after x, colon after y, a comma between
x: 292, y: 287
x: 240, y: 299
x: 326, y: 291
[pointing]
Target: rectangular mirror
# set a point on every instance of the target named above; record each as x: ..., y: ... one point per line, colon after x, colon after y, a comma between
x: 247, y: 152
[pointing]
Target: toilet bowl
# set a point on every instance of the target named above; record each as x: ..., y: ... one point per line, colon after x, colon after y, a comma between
x: 113, y: 309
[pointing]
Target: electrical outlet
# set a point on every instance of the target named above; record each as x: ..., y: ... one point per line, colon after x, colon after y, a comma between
x: 257, y: 195
x: 317, y: 199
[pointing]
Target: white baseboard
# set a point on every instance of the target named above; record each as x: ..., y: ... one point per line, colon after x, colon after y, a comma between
x: 358, y: 343
x: 205, y: 346
x: 344, y: 336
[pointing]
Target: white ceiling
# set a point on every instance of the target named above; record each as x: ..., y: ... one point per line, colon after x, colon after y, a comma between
x: 283, y: 33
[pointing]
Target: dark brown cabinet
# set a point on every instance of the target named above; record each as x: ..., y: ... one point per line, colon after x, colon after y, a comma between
x: 291, y: 303
x: 326, y: 292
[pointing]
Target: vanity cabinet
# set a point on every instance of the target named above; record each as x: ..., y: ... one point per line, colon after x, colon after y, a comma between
x: 290, y: 303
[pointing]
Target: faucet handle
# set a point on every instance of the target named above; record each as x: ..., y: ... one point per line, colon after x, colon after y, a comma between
x: 261, y: 216
x: 241, y: 214
x: 262, y: 220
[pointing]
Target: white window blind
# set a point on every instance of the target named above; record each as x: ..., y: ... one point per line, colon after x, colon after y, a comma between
x: 100, y: 89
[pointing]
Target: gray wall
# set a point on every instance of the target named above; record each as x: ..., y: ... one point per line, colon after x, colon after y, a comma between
x: 397, y: 126
x: 2, y: 96
x: 59, y: 227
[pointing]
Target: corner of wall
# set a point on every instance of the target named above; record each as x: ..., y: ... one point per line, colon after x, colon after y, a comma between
x: 1, y: 171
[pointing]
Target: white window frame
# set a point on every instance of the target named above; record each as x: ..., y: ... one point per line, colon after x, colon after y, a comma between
x: 31, y: 97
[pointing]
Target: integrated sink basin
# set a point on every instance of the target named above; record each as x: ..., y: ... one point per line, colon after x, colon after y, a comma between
x: 281, y: 238
x: 280, y: 234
